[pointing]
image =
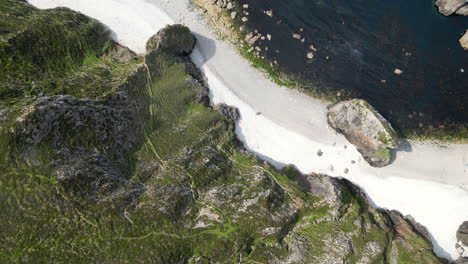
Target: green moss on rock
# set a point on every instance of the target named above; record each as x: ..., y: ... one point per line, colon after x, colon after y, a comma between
x: 119, y: 164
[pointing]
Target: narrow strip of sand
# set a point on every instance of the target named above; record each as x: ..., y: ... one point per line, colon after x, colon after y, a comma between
x: 429, y: 182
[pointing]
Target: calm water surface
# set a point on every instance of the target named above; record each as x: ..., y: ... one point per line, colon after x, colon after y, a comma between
x: 359, y: 45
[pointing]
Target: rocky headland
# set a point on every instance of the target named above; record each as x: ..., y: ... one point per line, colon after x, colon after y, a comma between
x: 112, y: 157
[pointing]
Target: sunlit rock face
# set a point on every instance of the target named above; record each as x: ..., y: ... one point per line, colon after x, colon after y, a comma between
x: 104, y: 159
x: 365, y: 128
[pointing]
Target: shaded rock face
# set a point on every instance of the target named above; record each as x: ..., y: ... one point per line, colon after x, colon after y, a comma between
x: 448, y: 7
x: 88, y: 141
x: 462, y: 244
x: 461, y: 261
x: 173, y: 39
x: 464, y: 40
x: 229, y: 112
x: 127, y: 164
x: 365, y: 128
x: 171, y: 43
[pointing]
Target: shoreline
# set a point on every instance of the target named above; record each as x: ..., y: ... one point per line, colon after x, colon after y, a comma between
x: 227, y: 29
x: 291, y: 126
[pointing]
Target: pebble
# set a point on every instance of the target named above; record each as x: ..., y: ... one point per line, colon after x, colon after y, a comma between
x: 319, y: 153
x: 398, y: 71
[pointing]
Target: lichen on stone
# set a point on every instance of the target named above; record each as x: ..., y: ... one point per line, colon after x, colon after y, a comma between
x: 125, y: 163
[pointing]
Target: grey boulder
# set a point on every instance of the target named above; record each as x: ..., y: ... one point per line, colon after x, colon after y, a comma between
x: 365, y: 128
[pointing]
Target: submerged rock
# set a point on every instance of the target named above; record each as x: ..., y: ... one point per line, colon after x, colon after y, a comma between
x: 448, y: 7
x: 365, y: 128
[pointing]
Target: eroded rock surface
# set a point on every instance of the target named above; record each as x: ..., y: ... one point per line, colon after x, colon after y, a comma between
x: 365, y: 128
x: 229, y: 112
x: 448, y: 7
x: 117, y: 158
x: 173, y: 39
x: 462, y: 243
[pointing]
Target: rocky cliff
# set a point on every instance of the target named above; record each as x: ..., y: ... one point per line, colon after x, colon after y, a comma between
x: 111, y: 157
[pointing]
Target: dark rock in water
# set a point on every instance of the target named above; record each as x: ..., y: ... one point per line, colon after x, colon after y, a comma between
x: 173, y: 39
x: 448, y: 7
x: 229, y: 112
x: 365, y: 128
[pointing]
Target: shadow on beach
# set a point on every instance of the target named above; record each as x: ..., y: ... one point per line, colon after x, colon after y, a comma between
x: 206, y: 48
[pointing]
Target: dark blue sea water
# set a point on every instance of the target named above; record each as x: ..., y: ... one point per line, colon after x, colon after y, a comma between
x: 359, y: 45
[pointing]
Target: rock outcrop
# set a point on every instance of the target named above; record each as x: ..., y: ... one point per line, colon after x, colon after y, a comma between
x: 448, y: 7
x: 462, y: 243
x: 464, y: 40
x: 118, y: 159
x: 176, y: 40
x: 229, y: 112
x: 365, y: 128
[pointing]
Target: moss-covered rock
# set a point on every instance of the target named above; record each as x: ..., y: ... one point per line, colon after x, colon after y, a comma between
x: 173, y: 39
x: 124, y: 163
